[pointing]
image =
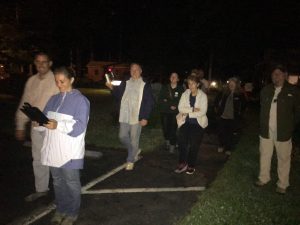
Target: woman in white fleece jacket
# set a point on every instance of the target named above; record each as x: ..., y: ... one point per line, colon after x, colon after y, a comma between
x: 191, y: 122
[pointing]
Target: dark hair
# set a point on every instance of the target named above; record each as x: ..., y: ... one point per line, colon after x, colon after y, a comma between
x: 175, y: 73
x: 194, y: 78
x: 237, y: 82
x: 280, y: 67
x: 42, y: 54
x: 136, y: 63
x: 68, y: 72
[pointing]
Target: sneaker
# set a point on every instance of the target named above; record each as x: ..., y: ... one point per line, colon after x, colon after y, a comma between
x: 258, y: 183
x: 57, y: 218
x: 280, y: 190
x: 228, y: 153
x: 181, y: 168
x: 167, y: 144
x: 172, y: 149
x: 220, y: 149
x: 69, y: 220
x: 35, y: 196
x: 129, y: 166
x: 190, y: 170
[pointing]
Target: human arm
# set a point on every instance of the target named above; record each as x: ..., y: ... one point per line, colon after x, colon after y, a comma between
x: 200, y: 108
x: 147, y: 103
x: 20, y: 118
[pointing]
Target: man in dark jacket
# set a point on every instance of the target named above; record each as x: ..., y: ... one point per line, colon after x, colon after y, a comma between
x: 280, y: 111
x: 136, y: 103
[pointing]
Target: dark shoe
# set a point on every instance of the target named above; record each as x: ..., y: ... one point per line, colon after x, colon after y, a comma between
x: 181, y: 168
x: 190, y: 170
x: 57, y: 218
x: 35, y: 196
x: 281, y: 191
x: 258, y: 183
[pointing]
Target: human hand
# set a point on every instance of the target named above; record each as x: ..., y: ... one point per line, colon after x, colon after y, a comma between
x: 52, y: 124
x: 143, y: 122
x: 196, y: 110
x: 20, y: 135
x: 173, y: 107
x: 35, y: 124
x: 109, y: 85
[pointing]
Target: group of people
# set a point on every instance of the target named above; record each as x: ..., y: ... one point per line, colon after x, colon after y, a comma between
x: 58, y: 146
x: 183, y: 116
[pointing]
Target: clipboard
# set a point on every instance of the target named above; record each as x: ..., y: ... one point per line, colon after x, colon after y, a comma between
x: 34, y: 114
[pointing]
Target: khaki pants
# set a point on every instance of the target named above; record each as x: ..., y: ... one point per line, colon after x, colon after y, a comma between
x: 283, y: 151
x: 41, y: 173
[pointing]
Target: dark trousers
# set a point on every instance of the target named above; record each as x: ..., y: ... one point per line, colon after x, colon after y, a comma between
x: 226, y: 128
x: 169, y: 127
x: 189, y: 140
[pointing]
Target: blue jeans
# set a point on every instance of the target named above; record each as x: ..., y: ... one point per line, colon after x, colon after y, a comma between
x: 130, y: 136
x: 67, y: 188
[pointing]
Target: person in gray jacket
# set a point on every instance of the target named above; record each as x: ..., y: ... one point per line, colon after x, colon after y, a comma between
x: 280, y: 111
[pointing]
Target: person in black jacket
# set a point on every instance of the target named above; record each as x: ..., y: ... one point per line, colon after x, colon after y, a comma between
x: 168, y: 100
x: 136, y: 102
x: 229, y: 106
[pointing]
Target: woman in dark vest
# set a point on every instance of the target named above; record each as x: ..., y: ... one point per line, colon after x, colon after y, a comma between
x: 229, y: 106
x: 168, y: 105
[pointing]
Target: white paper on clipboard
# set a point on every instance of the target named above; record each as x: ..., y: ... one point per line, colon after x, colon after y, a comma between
x: 113, y: 82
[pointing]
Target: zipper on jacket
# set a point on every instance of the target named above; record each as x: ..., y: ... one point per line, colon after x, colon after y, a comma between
x: 61, y: 102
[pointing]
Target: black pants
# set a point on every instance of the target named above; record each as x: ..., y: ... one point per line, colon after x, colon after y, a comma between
x: 189, y: 140
x: 226, y: 128
x: 169, y: 127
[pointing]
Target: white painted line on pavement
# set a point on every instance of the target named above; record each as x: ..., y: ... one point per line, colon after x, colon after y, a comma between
x: 103, y: 177
x: 139, y: 190
x: 35, y: 215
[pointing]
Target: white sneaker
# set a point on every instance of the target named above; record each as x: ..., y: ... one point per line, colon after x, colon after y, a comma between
x: 172, y: 149
x: 129, y: 166
x: 228, y: 153
x: 167, y: 144
x: 220, y: 149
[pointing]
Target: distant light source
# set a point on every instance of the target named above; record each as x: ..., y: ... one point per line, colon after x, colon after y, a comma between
x: 214, y: 84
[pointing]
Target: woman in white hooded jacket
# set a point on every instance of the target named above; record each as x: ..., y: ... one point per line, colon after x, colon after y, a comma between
x: 191, y: 121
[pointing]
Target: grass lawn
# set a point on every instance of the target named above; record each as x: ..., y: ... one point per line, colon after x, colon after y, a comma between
x: 103, y: 126
x: 233, y: 199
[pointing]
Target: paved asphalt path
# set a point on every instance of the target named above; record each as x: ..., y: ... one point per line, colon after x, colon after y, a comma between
x: 153, y: 170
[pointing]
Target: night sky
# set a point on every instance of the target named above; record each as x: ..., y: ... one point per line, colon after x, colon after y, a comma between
x: 166, y: 35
